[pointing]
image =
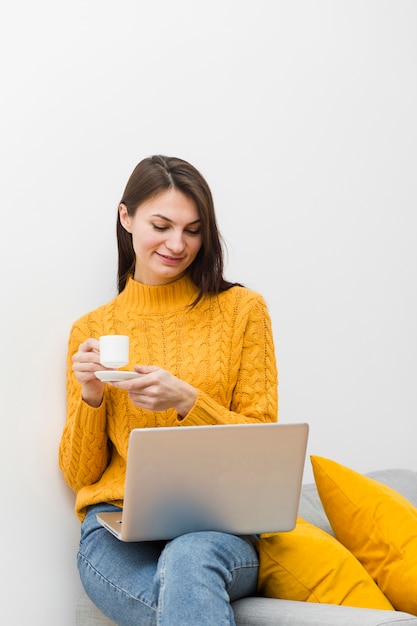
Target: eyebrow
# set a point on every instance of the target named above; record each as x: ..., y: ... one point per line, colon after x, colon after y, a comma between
x: 171, y: 221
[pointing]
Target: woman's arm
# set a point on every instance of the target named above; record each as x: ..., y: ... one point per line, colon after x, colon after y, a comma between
x: 255, y: 394
x: 83, y: 450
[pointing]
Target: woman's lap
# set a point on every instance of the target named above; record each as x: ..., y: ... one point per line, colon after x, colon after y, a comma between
x: 165, y: 582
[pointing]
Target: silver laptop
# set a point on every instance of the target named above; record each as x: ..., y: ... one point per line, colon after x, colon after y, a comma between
x: 239, y: 479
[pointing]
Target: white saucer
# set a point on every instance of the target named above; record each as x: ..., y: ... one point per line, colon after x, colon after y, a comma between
x: 112, y: 376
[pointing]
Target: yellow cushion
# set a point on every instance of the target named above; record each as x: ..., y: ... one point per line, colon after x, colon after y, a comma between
x: 376, y: 524
x: 310, y: 565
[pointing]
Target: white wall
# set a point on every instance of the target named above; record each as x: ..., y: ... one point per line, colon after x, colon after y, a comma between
x: 302, y: 116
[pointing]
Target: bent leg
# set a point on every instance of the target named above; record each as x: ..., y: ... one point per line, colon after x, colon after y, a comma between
x: 187, y: 581
x: 199, y: 574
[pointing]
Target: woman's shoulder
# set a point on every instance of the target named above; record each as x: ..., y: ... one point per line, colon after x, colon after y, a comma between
x: 243, y: 296
x: 96, y: 315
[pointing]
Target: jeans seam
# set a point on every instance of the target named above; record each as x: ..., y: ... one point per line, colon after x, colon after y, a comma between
x: 161, y: 576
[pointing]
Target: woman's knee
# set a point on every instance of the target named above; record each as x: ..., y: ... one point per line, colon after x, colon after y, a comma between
x: 211, y: 550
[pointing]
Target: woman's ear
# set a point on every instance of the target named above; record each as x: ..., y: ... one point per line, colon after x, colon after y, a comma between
x: 124, y: 217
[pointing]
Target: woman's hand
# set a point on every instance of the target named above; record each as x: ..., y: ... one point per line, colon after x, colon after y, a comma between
x: 84, y: 363
x: 159, y: 390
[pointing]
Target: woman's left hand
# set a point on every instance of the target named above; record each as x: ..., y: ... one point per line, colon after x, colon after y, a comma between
x: 159, y: 390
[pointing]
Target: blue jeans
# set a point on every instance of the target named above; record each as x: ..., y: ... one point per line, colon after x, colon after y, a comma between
x: 187, y: 581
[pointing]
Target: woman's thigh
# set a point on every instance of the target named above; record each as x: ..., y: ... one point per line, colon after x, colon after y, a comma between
x: 118, y: 576
x: 131, y: 582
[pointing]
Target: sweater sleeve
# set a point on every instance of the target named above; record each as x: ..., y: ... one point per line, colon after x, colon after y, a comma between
x: 255, y: 394
x: 83, y: 449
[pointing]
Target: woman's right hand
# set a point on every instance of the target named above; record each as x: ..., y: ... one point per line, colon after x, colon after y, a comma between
x: 84, y: 363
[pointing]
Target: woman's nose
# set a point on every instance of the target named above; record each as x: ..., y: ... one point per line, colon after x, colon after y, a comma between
x: 175, y: 242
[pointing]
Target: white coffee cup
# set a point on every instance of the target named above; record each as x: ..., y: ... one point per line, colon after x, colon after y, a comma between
x: 114, y: 350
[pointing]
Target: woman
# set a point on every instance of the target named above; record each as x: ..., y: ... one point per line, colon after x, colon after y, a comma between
x: 205, y: 349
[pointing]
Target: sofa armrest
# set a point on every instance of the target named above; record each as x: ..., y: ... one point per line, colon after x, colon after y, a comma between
x: 272, y: 612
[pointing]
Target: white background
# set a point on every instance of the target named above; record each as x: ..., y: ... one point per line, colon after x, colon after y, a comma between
x: 302, y: 117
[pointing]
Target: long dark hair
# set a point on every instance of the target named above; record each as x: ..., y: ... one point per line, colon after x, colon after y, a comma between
x: 158, y: 173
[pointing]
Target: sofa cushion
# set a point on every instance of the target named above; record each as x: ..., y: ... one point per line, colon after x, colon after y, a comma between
x: 310, y: 565
x: 402, y: 480
x: 87, y: 614
x: 377, y: 524
x: 311, y: 508
x: 270, y: 612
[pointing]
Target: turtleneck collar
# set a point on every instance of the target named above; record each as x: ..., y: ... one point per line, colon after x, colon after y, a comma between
x: 158, y: 299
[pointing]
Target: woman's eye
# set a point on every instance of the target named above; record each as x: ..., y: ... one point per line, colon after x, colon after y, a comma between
x: 189, y: 231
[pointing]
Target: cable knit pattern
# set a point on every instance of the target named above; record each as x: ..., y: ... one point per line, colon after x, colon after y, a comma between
x: 223, y: 347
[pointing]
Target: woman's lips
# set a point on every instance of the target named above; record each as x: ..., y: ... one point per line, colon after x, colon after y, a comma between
x: 170, y: 259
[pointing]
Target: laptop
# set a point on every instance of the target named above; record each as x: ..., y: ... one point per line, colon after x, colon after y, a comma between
x: 239, y: 478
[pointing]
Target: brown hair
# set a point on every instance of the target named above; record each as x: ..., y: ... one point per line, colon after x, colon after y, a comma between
x: 152, y: 176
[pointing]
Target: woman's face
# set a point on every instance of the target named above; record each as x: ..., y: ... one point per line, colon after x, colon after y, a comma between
x: 166, y: 236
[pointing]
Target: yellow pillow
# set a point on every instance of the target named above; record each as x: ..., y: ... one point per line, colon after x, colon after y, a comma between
x: 310, y: 565
x: 376, y: 524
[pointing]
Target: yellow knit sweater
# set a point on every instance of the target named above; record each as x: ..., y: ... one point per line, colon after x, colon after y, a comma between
x: 223, y: 347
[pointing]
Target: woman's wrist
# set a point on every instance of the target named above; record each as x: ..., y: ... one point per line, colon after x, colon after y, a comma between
x: 93, y: 399
x: 187, y: 401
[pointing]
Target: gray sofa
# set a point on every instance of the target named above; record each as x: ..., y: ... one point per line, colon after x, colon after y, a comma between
x: 273, y: 612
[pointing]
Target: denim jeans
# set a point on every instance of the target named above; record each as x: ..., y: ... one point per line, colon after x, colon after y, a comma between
x: 187, y: 581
